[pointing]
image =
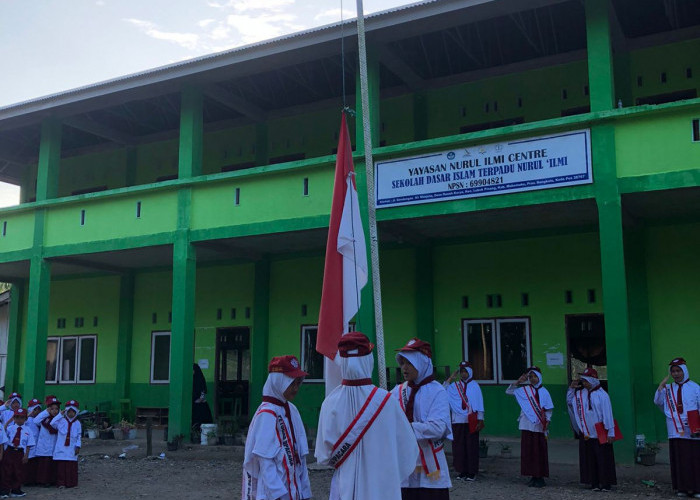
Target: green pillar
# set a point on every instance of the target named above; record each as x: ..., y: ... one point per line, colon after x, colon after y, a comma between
x: 49, y: 160
x: 14, y: 337
x: 191, y: 133
x: 259, y: 357
x: 37, y: 325
x: 601, y: 82
x: 420, y: 115
x: 125, y: 334
x: 262, y: 155
x: 425, y: 313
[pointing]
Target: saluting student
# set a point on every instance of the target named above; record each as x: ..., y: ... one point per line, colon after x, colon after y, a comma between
x: 535, y: 414
x: 18, y: 441
x: 8, y: 409
x: 276, y: 446
x: 467, y: 409
x: 679, y: 401
x: 424, y: 401
x: 362, y: 431
x: 46, y: 442
x: 593, y: 419
x: 33, y: 409
x: 68, y: 444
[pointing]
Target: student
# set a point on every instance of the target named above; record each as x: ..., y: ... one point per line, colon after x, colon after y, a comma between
x: 592, y: 416
x: 33, y: 409
x: 679, y: 402
x: 535, y: 414
x: 362, y: 431
x: 276, y: 446
x: 18, y: 441
x: 68, y: 444
x: 467, y: 409
x: 424, y: 401
x: 12, y: 403
x: 46, y: 443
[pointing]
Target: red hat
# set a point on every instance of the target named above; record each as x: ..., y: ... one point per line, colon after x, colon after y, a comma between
x: 354, y: 344
x: 15, y: 395
x: 50, y: 396
x: 72, y: 404
x: 464, y: 365
x: 33, y: 402
x: 289, y: 365
x: 418, y: 345
x: 677, y: 362
x: 52, y: 400
x: 590, y: 372
x: 20, y: 412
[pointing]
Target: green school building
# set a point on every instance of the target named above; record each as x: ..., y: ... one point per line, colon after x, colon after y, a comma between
x: 538, y: 190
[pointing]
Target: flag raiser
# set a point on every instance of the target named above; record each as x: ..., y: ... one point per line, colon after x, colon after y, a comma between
x: 345, y: 270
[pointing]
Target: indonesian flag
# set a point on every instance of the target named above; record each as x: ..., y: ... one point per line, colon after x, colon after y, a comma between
x: 345, y: 271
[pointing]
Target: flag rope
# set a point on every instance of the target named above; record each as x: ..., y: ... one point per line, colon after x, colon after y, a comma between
x: 371, y: 208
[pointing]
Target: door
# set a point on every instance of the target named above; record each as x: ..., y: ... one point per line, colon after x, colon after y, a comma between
x: 232, y: 371
x: 585, y: 335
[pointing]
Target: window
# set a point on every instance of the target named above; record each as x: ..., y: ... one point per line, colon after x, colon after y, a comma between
x: 498, y: 349
x: 71, y: 360
x: 160, y: 357
x: 311, y: 360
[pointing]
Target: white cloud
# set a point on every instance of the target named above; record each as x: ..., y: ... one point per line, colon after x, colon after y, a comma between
x: 187, y: 40
x: 264, y: 5
x: 100, y: 3
x: 263, y: 26
x: 205, y: 22
x: 333, y: 15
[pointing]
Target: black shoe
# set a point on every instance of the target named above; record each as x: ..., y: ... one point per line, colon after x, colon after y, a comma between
x: 17, y: 493
x: 470, y: 478
x: 531, y: 482
x: 539, y: 483
x: 461, y: 477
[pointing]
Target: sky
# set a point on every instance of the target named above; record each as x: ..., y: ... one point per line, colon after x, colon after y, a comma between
x: 48, y: 46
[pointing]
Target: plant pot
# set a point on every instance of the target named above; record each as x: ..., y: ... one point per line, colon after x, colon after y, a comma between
x: 106, y: 434
x: 130, y: 434
x: 91, y: 433
x: 647, y: 458
x: 483, y: 451
x: 118, y: 434
x: 229, y: 440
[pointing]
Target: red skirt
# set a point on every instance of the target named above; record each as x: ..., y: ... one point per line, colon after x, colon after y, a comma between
x: 465, y: 450
x: 685, y: 464
x: 600, y: 464
x: 66, y: 473
x: 30, y: 472
x: 534, y: 456
x: 45, y: 470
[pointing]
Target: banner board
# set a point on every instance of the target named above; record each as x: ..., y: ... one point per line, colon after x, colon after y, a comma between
x: 499, y: 168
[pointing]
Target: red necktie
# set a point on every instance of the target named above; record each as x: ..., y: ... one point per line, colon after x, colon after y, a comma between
x: 464, y: 399
x: 16, y: 439
x: 679, y: 398
x: 412, y: 397
x: 67, y: 442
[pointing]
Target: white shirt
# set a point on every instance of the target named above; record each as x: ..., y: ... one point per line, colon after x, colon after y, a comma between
x: 26, y: 439
x: 46, y: 442
x: 61, y: 451
x: 526, y: 421
x: 474, y: 398
x: 586, y: 417
x: 31, y: 426
x: 385, y: 455
x: 691, y: 398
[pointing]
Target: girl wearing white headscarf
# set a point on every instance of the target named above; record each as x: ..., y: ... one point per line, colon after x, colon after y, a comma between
x: 535, y: 414
x: 276, y: 448
x: 362, y: 431
x: 679, y: 402
x: 467, y: 409
x: 592, y: 418
x: 425, y: 404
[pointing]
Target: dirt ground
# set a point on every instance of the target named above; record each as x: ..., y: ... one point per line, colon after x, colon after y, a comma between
x: 215, y: 472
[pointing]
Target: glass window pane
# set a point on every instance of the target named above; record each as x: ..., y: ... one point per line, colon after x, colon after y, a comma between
x: 161, y: 357
x: 51, y: 359
x: 513, y: 355
x: 68, y: 357
x: 230, y: 364
x: 480, y: 349
x: 245, y: 365
x: 312, y: 361
x: 87, y: 359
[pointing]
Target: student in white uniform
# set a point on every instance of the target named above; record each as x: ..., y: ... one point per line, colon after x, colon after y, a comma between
x: 425, y: 404
x: 535, y: 414
x: 33, y: 409
x: 46, y: 442
x: 679, y: 401
x: 592, y: 416
x: 467, y: 409
x: 276, y: 446
x: 68, y: 444
x: 13, y: 402
x: 362, y: 431
x: 19, y: 441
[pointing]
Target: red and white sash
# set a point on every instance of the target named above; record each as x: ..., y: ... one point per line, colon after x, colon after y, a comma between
x: 462, y: 391
x: 581, y: 414
x: 428, y: 448
x: 673, y: 409
x: 536, y: 408
x: 287, y: 442
x: 352, y: 436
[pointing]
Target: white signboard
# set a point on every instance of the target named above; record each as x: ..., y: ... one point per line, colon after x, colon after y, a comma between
x: 505, y: 167
x: 555, y: 359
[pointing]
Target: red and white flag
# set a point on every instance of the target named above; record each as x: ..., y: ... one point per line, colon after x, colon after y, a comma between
x: 345, y: 271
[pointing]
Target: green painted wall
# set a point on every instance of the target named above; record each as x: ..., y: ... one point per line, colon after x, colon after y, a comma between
x: 19, y: 231
x: 91, y: 171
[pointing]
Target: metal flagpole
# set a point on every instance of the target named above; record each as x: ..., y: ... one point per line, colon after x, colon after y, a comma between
x: 369, y: 168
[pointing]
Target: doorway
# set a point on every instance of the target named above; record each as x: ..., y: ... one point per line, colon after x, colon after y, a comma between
x: 232, y: 371
x: 585, y: 338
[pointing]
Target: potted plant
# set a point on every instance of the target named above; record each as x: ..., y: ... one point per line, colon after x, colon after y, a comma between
x: 483, y: 448
x: 128, y: 429
x: 505, y: 450
x: 647, y: 455
x: 91, y: 431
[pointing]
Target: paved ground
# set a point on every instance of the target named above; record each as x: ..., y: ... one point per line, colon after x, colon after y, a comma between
x: 215, y: 472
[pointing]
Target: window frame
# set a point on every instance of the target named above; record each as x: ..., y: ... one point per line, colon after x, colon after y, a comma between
x: 302, y: 351
x: 58, y: 372
x: 154, y: 334
x: 496, y: 342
